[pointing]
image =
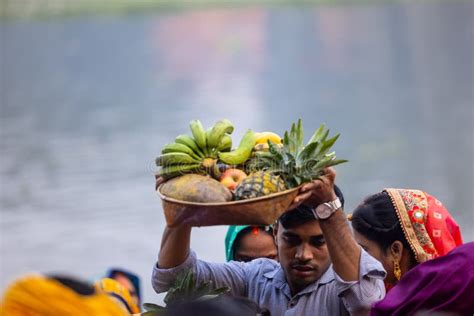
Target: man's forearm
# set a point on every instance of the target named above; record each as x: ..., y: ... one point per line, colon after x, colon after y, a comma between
x: 174, y: 246
x: 343, y: 249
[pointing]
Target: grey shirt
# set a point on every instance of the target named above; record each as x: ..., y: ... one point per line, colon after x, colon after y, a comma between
x: 263, y: 281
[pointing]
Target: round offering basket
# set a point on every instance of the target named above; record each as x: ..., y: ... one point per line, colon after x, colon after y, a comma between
x: 263, y: 210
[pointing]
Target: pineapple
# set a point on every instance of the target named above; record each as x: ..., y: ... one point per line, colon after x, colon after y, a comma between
x: 295, y: 162
x: 257, y: 184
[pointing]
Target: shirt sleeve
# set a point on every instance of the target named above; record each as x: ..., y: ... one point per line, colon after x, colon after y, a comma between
x: 230, y: 274
x: 358, y: 296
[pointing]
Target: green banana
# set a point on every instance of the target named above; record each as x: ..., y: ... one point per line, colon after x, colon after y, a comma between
x: 211, y: 153
x: 174, y: 159
x: 218, y: 131
x: 191, y: 143
x: 176, y: 147
x: 225, y: 144
x: 242, y: 153
x: 174, y: 171
x: 199, y: 135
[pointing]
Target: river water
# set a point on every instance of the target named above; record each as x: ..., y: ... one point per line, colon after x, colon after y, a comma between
x: 88, y: 101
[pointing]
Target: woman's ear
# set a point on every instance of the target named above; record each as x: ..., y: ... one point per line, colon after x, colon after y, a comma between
x: 396, y: 250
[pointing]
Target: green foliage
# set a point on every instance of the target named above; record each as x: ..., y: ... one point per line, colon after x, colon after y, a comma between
x: 185, y: 289
x: 295, y: 162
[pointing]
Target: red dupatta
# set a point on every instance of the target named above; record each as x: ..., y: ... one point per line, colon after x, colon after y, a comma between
x: 428, y: 227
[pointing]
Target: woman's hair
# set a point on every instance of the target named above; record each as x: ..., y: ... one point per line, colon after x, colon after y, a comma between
x: 260, y: 229
x: 376, y: 219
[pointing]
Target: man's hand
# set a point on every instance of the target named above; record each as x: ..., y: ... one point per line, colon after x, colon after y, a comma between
x: 317, y: 192
x: 343, y: 249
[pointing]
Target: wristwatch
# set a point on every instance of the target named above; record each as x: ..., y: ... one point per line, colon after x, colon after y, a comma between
x: 325, y: 210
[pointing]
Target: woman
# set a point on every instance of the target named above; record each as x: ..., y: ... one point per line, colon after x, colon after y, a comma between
x: 402, y: 228
x: 444, y: 284
x: 246, y: 243
x: 55, y: 295
x: 129, y: 280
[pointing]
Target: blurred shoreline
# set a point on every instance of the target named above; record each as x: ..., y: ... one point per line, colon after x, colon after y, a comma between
x: 38, y: 9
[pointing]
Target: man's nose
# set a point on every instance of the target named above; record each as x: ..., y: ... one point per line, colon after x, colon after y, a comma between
x: 304, y: 253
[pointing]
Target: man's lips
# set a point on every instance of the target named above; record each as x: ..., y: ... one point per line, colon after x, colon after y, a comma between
x: 302, y: 268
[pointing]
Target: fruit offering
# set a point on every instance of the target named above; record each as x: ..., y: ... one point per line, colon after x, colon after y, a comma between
x: 204, y: 167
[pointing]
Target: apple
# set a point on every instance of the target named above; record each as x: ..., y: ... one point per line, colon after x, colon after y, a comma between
x: 232, y: 177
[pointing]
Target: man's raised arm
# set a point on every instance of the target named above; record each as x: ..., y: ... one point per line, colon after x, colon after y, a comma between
x: 343, y: 249
x: 176, y: 258
x: 174, y: 246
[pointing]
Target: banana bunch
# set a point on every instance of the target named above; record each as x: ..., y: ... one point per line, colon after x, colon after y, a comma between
x: 197, y: 153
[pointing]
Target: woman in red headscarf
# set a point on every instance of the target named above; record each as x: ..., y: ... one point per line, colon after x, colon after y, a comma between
x: 403, y: 228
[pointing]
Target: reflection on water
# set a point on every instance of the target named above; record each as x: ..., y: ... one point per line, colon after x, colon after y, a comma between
x: 88, y: 102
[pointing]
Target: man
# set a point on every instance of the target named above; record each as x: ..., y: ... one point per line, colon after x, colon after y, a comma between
x: 304, y: 282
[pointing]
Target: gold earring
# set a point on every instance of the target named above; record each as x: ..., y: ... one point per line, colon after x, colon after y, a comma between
x: 397, y: 271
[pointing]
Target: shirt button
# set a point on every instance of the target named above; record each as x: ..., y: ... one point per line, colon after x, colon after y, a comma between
x: 292, y: 303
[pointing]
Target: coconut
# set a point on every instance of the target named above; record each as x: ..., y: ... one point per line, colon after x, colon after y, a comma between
x: 196, y: 188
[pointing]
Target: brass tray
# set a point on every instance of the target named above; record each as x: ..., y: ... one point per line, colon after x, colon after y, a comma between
x: 264, y: 210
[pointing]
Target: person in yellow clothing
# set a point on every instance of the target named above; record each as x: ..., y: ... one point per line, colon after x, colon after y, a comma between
x: 40, y: 295
x: 119, y: 293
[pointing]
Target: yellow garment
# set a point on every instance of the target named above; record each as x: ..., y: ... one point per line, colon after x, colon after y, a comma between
x: 114, y: 288
x: 36, y: 295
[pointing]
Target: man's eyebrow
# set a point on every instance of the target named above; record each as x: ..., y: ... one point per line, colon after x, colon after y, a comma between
x: 318, y: 237
x: 290, y: 234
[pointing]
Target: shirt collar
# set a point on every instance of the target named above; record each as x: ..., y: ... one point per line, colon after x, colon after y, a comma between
x: 279, y: 280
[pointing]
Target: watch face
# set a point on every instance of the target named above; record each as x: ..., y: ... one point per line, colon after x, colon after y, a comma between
x: 323, y: 211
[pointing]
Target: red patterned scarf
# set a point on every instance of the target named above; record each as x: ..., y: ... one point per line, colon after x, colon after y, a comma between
x: 428, y: 227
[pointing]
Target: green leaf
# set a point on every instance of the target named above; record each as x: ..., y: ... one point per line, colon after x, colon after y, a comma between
x: 286, y: 140
x: 335, y: 162
x: 263, y: 154
x: 291, y: 147
x: 274, y: 150
x: 317, y: 134
x: 220, y: 291
x: 308, y: 151
x: 297, y: 180
x: 186, y: 288
x: 152, y: 307
x: 153, y: 313
x: 328, y: 144
x: 324, y: 136
x: 299, y: 137
x: 323, y: 163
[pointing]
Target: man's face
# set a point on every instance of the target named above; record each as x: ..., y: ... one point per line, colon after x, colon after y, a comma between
x: 303, y: 254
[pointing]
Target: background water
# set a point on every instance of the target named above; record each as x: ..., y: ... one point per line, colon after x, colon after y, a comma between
x: 87, y: 102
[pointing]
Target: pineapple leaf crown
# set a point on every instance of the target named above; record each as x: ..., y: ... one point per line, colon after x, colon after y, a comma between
x: 296, y: 162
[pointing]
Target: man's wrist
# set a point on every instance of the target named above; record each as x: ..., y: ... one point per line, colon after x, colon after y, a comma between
x: 327, y: 209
